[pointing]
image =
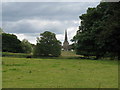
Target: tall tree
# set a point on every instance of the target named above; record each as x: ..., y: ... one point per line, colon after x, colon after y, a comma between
x: 99, y: 31
x: 47, y: 45
x: 1, y: 31
x: 26, y: 45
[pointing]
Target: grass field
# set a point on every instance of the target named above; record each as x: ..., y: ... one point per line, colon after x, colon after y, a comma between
x: 59, y: 73
x: 64, y: 55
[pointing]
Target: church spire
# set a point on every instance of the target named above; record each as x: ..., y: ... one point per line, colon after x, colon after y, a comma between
x: 66, y: 35
x: 66, y: 43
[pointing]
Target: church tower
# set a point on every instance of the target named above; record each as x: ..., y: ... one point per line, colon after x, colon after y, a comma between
x: 66, y: 43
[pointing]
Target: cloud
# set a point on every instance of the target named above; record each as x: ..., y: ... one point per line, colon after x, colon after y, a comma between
x: 29, y: 19
x: 31, y: 37
x: 56, y: 1
x: 60, y: 11
x: 38, y: 26
x: 0, y: 14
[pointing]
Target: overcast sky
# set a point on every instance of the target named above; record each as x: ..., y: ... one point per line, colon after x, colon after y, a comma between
x: 28, y: 19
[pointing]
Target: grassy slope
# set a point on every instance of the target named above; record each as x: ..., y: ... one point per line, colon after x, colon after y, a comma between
x: 69, y: 54
x: 59, y: 73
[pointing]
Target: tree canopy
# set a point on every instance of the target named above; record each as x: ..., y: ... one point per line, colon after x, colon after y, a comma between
x: 47, y: 45
x: 10, y: 43
x: 99, y: 32
x: 26, y: 46
x: 1, y: 31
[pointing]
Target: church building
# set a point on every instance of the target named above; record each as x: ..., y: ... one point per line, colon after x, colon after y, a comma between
x: 66, y: 43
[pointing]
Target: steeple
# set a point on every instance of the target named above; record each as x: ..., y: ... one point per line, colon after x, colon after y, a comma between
x: 66, y: 43
x: 66, y: 35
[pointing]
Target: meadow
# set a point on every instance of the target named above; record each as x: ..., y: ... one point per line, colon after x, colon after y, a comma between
x: 59, y: 73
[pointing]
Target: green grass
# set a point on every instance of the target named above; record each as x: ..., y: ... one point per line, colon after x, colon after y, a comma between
x: 69, y: 55
x: 9, y: 54
x: 64, y: 55
x: 59, y: 73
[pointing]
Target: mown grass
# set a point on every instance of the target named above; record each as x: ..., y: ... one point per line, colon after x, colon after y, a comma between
x: 59, y: 73
x: 69, y: 55
x: 64, y: 55
x: 9, y: 54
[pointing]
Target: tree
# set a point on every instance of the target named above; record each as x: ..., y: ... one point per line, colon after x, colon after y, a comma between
x: 10, y: 43
x: 26, y: 46
x: 1, y: 31
x: 72, y: 46
x: 99, y: 32
x: 47, y: 45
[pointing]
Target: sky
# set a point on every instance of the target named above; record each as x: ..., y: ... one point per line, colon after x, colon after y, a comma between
x: 28, y: 19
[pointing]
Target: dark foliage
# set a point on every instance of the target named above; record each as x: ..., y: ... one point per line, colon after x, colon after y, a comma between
x: 99, y: 33
x: 47, y: 45
x: 10, y: 43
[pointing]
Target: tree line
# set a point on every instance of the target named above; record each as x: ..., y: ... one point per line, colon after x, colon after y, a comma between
x: 99, y: 32
x: 47, y: 45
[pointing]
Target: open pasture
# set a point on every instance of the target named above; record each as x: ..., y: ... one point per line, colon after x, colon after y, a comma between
x: 59, y: 73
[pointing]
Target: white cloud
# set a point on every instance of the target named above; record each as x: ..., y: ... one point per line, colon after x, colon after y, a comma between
x: 60, y: 37
x: 34, y: 27
x: 72, y: 32
x: 38, y: 26
x: 32, y: 38
x: 28, y: 20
